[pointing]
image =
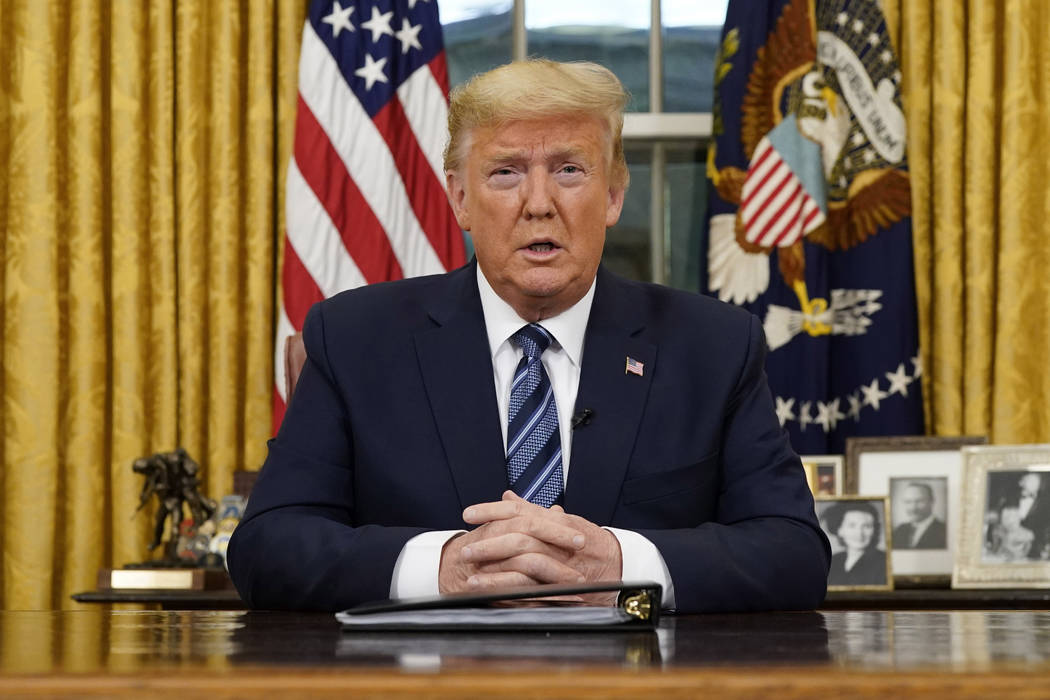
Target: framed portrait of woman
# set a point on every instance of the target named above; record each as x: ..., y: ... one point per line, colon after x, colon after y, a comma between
x: 923, y: 478
x: 860, y: 542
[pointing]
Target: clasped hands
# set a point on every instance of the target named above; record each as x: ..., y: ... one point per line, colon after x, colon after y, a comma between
x: 518, y: 543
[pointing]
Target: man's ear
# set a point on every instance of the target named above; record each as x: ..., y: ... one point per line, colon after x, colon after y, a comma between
x: 615, y: 206
x: 457, y: 197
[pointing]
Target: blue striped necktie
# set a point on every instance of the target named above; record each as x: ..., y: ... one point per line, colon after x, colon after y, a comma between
x: 533, y: 440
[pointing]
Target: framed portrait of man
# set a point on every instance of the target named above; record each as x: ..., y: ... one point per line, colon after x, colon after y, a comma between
x: 922, y: 476
x: 859, y: 533
x: 1005, y: 535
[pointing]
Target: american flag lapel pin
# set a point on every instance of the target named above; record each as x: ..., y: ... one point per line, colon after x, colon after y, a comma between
x: 634, y: 366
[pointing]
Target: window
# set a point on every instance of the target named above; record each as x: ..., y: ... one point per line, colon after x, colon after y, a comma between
x: 668, y: 66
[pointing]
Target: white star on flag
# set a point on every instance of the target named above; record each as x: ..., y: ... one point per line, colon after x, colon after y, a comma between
x: 828, y: 415
x: 785, y: 410
x: 854, y: 406
x: 409, y: 36
x: 379, y: 24
x: 804, y: 418
x: 372, y: 71
x: 873, y: 394
x: 899, y: 381
x: 339, y: 18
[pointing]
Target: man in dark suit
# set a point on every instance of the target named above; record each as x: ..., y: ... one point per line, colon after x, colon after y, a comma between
x: 922, y: 529
x: 651, y: 446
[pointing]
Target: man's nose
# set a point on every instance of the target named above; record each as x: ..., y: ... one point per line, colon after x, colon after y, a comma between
x: 539, y: 199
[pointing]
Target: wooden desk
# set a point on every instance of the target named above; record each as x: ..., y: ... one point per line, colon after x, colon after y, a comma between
x: 226, y: 654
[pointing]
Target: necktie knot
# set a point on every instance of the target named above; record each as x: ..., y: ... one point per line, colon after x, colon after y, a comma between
x: 533, y: 339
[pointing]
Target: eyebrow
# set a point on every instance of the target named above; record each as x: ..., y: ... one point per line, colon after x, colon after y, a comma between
x: 510, y: 155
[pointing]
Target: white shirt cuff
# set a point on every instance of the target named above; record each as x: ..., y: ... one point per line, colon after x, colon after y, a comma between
x: 416, y: 569
x: 642, y: 561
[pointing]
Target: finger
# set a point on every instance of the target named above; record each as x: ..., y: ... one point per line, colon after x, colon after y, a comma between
x: 557, y: 509
x: 542, y: 568
x: 541, y: 525
x: 508, y: 545
x: 496, y: 510
x: 501, y: 579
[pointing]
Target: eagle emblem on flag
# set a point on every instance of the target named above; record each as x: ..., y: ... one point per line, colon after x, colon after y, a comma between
x: 824, y: 135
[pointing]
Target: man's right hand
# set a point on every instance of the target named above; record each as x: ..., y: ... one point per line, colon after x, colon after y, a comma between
x: 526, y: 547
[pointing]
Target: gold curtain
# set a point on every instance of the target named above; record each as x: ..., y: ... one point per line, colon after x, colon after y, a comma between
x: 142, y: 147
x: 976, y: 82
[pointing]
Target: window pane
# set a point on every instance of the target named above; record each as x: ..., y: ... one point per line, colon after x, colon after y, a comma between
x: 614, y: 33
x: 477, y: 36
x: 627, y: 243
x: 685, y: 197
x: 691, y: 33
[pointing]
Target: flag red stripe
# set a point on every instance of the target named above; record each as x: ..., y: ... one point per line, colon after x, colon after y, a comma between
x: 793, y: 198
x: 323, y: 169
x: 299, y: 291
x: 426, y: 193
x: 439, y: 67
x: 783, y: 179
x: 809, y: 217
x: 791, y: 226
x: 780, y: 170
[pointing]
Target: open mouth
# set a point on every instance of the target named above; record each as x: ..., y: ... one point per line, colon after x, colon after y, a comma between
x: 542, y: 247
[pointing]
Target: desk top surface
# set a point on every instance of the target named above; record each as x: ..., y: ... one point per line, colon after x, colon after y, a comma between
x: 218, y: 652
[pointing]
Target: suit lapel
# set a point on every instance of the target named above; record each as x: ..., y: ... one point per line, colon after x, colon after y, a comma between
x: 617, y: 398
x: 457, y: 373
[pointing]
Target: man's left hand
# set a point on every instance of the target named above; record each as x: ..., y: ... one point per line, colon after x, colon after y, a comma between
x: 600, y: 558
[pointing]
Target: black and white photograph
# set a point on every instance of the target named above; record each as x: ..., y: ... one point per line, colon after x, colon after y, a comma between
x: 919, y: 511
x: 922, y: 476
x: 1017, y: 519
x: 857, y: 529
x: 1004, y: 540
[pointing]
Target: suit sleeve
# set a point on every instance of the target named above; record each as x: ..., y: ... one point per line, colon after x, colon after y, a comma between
x: 765, y: 549
x: 297, y: 546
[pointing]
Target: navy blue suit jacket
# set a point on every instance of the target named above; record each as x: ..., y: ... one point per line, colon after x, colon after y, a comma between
x: 393, y: 430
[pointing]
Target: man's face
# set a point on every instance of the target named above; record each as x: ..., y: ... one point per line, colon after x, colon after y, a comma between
x: 1030, y: 485
x: 537, y: 198
x: 917, y: 504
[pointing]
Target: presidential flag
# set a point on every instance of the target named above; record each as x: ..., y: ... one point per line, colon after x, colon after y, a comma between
x: 810, y: 214
x: 365, y: 196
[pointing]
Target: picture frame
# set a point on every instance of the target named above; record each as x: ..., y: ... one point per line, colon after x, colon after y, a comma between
x: 1004, y: 541
x: 824, y: 473
x: 857, y: 526
x: 922, y: 477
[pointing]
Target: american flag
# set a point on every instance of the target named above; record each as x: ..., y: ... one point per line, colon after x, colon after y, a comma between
x: 365, y: 197
x: 634, y: 367
x: 777, y: 208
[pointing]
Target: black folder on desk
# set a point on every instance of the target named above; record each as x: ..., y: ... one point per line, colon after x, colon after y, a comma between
x: 529, y: 608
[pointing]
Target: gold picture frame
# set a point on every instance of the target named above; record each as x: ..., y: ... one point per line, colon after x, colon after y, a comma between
x: 873, y: 571
x: 917, y: 473
x: 824, y: 473
x: 1004, y: 541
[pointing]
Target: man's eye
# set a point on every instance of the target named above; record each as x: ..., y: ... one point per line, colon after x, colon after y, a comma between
x: 571, y: 169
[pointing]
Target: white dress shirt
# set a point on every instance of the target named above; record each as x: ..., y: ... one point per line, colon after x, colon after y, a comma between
x: 416, y: 570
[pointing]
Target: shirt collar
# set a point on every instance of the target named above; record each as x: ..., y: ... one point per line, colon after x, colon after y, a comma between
x: 502, y: 321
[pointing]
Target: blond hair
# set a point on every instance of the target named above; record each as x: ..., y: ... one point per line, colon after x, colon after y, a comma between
x: 538, y: 88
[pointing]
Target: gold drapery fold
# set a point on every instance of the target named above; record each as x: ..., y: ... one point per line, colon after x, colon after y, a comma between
x: 976, y: 78
x: 141, y: 147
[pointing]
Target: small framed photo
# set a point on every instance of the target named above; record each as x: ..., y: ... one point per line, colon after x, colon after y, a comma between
x: 824, y: 474
x: 860, y: 542
x: 1005, y: 536
x: 923, y: 478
